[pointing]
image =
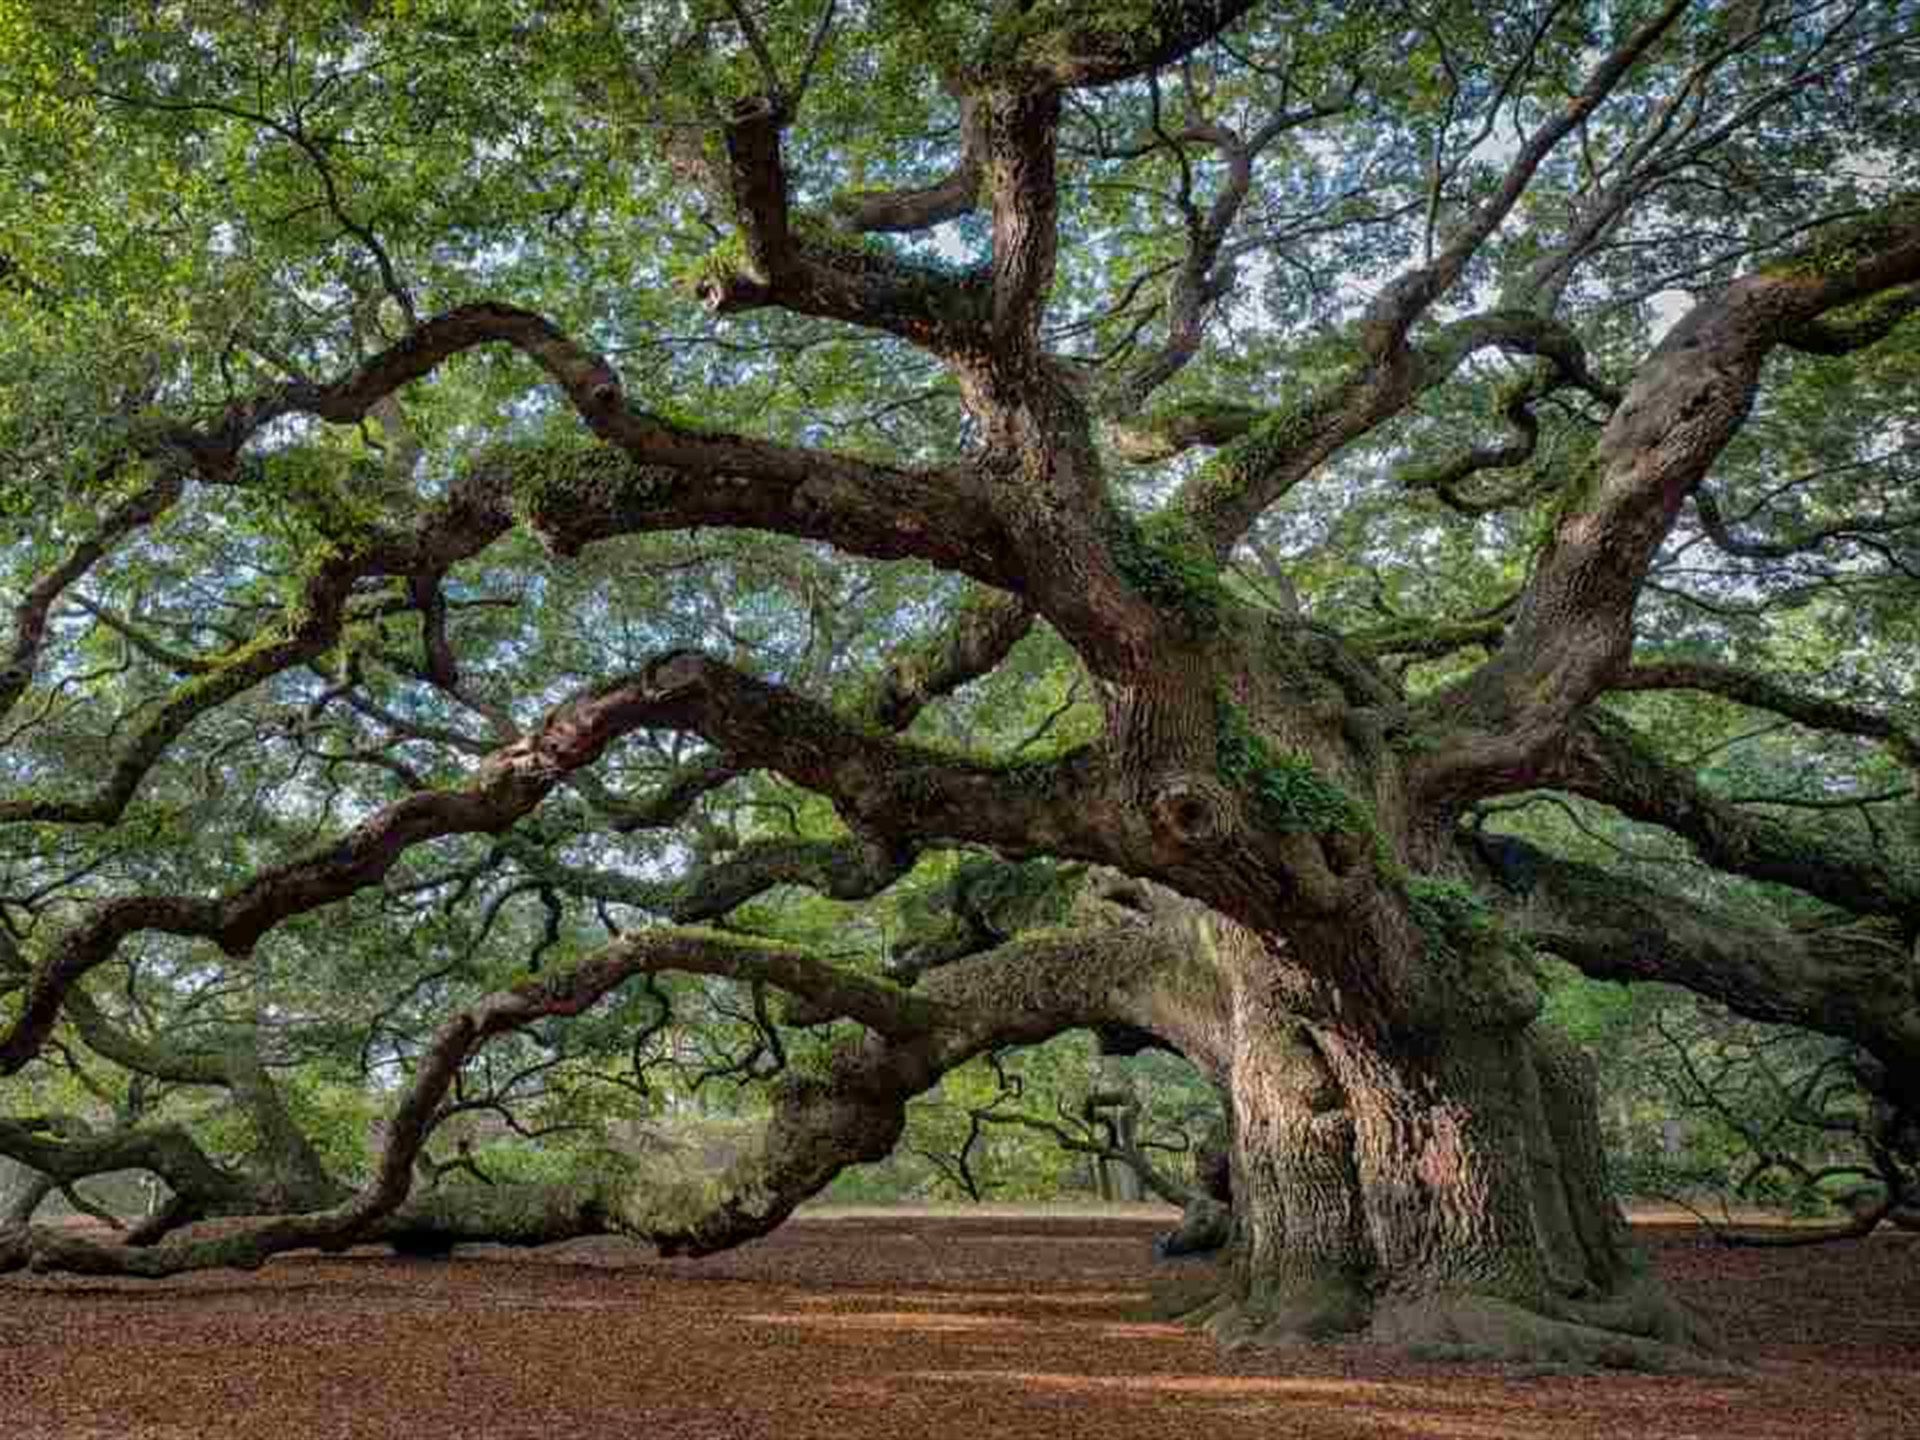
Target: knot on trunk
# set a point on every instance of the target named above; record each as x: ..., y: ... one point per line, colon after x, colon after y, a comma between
x: 1193, y: 811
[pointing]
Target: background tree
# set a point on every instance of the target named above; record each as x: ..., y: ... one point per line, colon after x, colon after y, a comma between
x: 1326, y: 425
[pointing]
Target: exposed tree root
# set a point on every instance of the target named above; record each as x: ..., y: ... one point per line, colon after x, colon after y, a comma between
x: 1641, y: 1329
x: 1319, y: 1312
x: 1482, y: 1328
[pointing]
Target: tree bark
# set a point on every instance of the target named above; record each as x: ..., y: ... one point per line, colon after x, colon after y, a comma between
x: 1439, y: 1187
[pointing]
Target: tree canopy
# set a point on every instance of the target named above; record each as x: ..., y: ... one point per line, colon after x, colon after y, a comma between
x: 894, y: 530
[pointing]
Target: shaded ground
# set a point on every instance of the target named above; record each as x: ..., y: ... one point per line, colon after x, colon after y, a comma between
x: 906, y: 1326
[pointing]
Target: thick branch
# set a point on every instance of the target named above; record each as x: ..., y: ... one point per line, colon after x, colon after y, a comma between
x: 881, y: 510
x: 813, y: 270
x: 819, y: 1124
x: 1877, y: 320
x: 1573, y: 630
x: 1765, y: 692
x: 1268, y: 456
x: 1173, y: 430
x: 1604, y: 761
x: 1089, y: 43
x: 166, y: 1150
x: 573, y: 496
x: 983, y: 627
x: 957, y: 194
x: 1855, y: 981
x: 1022, y: 140
x: 505, y: 787
x: 885, y: 788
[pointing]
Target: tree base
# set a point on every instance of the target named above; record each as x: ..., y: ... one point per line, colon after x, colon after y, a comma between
x: 1330, y: 1312
x: 1641, y: 1329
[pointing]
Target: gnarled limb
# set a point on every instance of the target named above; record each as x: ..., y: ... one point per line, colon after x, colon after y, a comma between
x: 508, y: 785
x: 782, y: 484
x: 1604, y: 761
x: 984, y: 625
x: 1175, y: 429
x: 1855, y: 527
x: 1573, y: 630
x: 284, y: 1171
x: 1765, y: 692
x: 563, y: 993
x: 956, y: 194
x: 573, y: 496
x: 825, y: 274
x: 1201, y: 279
x: 167, y: 1151
x: 870, y: 776
x: 1856, y: 332
x: 1086, y: 43
x: 152, y: 500
x: 1265, y: 457
x: 1854, y: 980
x: 820, y: 1123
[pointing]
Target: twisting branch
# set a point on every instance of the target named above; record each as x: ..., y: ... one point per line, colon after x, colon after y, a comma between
x: 884, y: 510
x: 506, y: 786
x: 1605, y: 761
x: 1201, y: 278
x: 1714, y: 523
x: 819, y: 1124
x: 1766, y: 692
x: 871, y: 212
x: 1825, y: 1102
x: 1402, y: 304
x: 878, y: 782
x: 1269, y: 452
x: 984, y: 625
x: 1853, y: 980
x: 1573, y: 630
x: 814, y: 270
x: 1094, y: 45
x: 147, y: 504
x: 562, y: 994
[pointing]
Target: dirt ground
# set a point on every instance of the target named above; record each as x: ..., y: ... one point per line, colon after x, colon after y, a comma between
x: 903, y: 1326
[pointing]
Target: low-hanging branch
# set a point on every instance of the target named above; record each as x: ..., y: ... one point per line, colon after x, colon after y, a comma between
x: 1854, y: 980
x: 819, y: 1124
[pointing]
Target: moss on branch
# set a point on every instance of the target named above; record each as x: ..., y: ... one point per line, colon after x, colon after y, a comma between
x: 1166, y: 559
x: 1450, y: 913
x: 1291, y: 793
x: 1842, y: 247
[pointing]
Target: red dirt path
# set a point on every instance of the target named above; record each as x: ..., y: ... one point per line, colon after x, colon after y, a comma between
x: 903, y: 1327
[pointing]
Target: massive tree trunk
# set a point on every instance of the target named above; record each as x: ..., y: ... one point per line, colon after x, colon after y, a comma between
x: 1438, y: 1184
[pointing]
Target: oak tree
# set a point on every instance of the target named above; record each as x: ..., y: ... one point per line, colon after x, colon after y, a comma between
x: 1341, y: 424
